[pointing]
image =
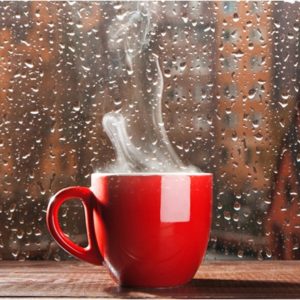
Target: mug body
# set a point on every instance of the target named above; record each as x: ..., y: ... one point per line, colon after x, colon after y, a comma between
x: 152, y: 229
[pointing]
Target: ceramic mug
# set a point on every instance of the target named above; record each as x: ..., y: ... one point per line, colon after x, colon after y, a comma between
x: 151, y: 230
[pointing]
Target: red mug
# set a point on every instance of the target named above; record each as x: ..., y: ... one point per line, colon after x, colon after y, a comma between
x: 151, y: 230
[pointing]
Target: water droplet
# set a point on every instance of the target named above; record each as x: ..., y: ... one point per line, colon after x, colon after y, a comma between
x: 240, y: 254
x: 258, y: 136
x: 167, y: 73
x: 29, y: 64
x: 283, y: 104
x: 20, y: 234
x: 12, y: 207
x: 34, y: 112
x: 238, y: 54
x: 236, y: 17
x: 37, y: 232
x: 185, y: 19
x: 130, y: 72
x: 182, y: 66
x: 237, y: 206
x: 118, y: 5
x: 56, y: 257
x: 251, y: 93
x: 296, y: 246
x: 234, y: 136
x: 227, y: 215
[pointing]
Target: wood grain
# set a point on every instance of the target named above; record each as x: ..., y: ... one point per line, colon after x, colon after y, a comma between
x: 214, y: 279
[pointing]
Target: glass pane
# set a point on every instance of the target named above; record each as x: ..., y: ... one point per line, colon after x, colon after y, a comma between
x: 210, y: 86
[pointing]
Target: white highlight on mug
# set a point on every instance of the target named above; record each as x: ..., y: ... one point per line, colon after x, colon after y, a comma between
x: 175, y: 199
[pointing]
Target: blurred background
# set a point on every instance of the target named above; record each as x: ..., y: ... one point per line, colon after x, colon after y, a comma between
x: 230, y: 106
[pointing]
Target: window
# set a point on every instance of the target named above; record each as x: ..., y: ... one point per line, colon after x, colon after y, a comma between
x: 256, y: 36
x: 230, y: 120
x: 230, y: 35
x: 229, y: 63
x: 257, y: 63
x: 230, y: 91
x: 203, y: 92
x: 205, y: 79
x: 230, y: 7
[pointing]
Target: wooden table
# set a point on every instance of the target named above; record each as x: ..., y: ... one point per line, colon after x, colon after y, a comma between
x: 215, y: 279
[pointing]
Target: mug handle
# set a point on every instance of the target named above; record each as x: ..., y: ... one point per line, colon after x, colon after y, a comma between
x: 90, y: 253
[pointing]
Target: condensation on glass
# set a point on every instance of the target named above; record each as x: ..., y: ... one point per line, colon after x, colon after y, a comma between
x: 230, y: 105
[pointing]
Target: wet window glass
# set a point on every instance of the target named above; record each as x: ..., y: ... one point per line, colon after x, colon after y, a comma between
x: 201, y: 86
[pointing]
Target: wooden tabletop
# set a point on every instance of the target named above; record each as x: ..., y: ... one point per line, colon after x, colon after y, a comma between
x: 214, y: 279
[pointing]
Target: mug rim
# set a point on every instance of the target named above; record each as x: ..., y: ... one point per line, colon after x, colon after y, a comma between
x: 144, y: 174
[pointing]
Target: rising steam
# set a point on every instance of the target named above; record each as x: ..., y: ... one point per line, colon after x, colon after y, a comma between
x: 130, y: 38
x: 130, y: 32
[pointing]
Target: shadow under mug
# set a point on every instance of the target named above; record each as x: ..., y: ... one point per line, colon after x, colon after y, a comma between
x: 151, y: 230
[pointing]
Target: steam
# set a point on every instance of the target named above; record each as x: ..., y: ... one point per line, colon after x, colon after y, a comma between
x: 130, y: 32
x: 158, y: 120
x: 130, y: 38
